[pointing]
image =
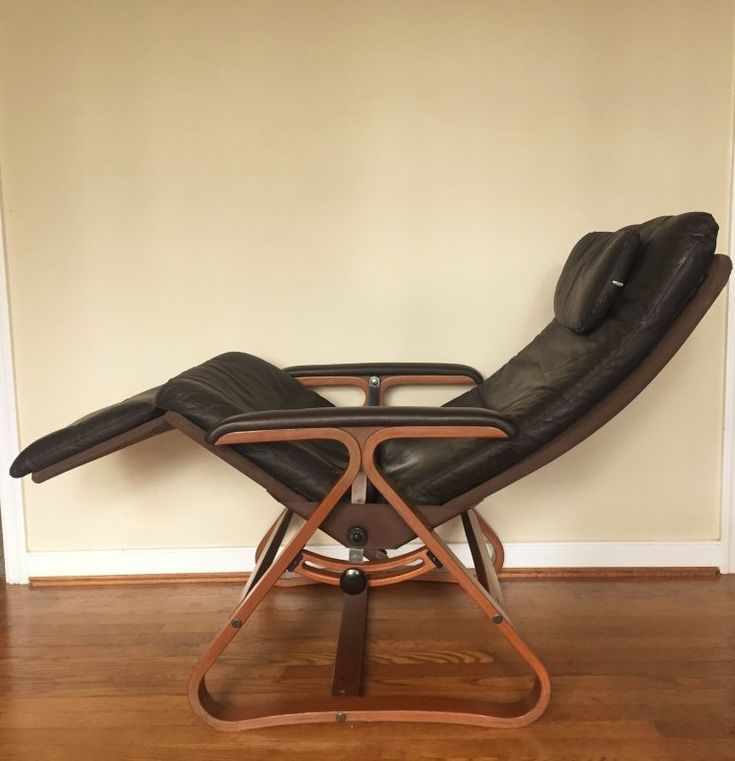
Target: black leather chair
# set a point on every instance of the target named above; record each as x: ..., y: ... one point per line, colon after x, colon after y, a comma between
x: 377, y: 477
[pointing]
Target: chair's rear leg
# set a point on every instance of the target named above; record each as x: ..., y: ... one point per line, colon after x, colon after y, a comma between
x: 288, y: 579
x: 267, y: 550
x: 493, y: 539
x: 484, y: 568
x: 483, y: 534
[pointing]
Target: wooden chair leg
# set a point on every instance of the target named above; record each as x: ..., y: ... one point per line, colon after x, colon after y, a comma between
x: 268, y: 549
x: 485, y: 534
x: 288, y: 579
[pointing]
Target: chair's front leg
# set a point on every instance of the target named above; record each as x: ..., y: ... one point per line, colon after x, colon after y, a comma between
x: 203, y: 704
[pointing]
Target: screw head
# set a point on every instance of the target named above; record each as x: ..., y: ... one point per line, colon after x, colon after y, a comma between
x: 357, y: 536
x: 341, y: 717
x: 236, y: 623
x: 497, y: 619
x: 374, y: 380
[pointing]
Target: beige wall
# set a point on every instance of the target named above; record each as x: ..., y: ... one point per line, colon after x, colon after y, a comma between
x: 316, y: 181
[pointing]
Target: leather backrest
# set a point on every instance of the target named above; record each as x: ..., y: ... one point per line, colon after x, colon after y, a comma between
x: 561, y: 374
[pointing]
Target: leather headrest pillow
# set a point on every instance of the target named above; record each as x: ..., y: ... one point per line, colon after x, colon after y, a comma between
x: 592, y: 278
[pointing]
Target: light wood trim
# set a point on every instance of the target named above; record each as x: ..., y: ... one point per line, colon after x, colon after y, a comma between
x: 704, y: 573
x: 142, y: 579
x: 596, y: 574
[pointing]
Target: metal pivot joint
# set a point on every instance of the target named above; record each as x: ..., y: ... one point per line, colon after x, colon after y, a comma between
x: 373, y: 391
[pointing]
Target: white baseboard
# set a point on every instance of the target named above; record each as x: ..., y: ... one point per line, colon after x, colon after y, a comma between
x: 201, y: 560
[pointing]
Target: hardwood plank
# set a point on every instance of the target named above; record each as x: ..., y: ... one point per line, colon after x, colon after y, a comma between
x: 643, y: 671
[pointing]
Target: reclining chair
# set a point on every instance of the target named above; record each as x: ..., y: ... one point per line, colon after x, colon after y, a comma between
x: 376, y: 477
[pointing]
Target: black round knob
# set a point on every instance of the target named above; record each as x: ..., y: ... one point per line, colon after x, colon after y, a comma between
x: 353, y: 581
x: 357, y: 536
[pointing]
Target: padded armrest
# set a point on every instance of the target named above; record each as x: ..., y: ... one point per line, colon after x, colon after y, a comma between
x: 353, y: 417
x: 385, y: 369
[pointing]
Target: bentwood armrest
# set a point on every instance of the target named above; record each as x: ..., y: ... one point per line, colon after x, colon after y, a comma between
x: 386, y: 370
x: 356, y: 417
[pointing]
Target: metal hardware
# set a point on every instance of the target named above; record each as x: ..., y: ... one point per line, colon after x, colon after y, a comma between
x: 373, y: 392
x: 357, y: 536
x: 618, y: 283
x: 497, y: 619
x: 340, y: 717
x: 353, y: 581
x: 434, y: 559
x: 358, y: 493
x: 236, y: 623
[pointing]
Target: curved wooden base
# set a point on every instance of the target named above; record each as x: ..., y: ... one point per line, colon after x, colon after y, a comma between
x: 346, y: 704
x: 353, y: 709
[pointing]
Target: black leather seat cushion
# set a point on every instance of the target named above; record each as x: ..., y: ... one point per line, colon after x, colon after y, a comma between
x: 233, y: 383
x: 223, y: 386
x: 562, y: 374
x: 92, y: 429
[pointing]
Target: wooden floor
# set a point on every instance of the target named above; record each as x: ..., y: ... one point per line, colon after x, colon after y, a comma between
x: 642, y: 670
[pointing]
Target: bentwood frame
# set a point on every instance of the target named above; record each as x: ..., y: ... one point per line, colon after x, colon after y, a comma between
x: 345, y: 704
